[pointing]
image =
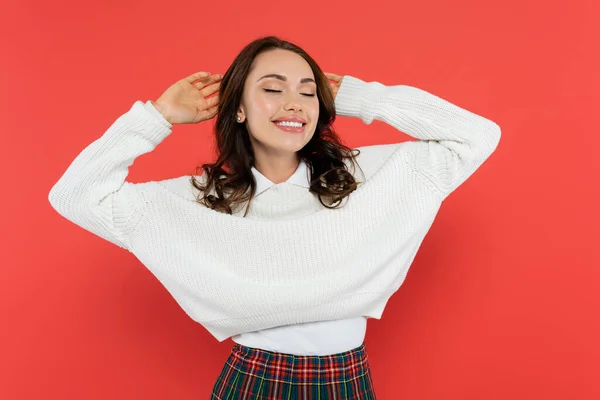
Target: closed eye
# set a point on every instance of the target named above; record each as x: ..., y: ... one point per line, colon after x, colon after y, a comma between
x: 279, y: 91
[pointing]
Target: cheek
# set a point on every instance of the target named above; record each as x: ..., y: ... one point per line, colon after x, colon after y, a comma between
x: 313, y: 111
x: 265, y: 107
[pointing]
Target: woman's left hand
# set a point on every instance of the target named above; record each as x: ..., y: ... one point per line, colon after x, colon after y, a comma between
x: 335, y: 81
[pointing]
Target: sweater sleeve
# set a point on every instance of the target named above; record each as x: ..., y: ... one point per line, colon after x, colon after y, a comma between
x: 452, y: 142
x: 93, y: 193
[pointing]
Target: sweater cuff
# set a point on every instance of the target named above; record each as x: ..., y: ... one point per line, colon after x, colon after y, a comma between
x: 149, y: 105
x: 352, y: 94
x: 153, y: 126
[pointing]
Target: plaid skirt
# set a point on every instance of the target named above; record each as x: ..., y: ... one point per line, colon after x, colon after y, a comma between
x: 255, y: 374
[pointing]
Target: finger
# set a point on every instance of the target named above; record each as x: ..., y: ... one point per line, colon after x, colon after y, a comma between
x: 333, y: 77
x: 213, y: 102
x: 212, y: 111
x: 198, y: 75
x: 208, y: 90
x: 209, y: 80
x: 207, y: 114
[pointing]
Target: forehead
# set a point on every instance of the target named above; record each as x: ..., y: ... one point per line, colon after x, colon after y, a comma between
x: 282, y: 62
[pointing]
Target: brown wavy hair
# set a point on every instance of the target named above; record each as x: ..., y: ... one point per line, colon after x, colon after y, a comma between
x: 231, y: 173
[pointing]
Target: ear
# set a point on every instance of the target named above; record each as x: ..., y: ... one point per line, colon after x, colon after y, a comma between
x: 240, y: 114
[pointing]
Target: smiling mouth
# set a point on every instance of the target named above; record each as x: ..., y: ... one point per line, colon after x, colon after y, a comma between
x: 290, y: 126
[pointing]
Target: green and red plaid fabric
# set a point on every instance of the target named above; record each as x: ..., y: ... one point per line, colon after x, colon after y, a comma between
x: 255, y: 374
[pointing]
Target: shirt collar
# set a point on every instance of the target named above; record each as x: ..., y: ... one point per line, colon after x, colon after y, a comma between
x: 299, y: 178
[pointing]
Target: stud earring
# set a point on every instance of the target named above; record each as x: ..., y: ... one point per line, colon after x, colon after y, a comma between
x: 239, y: 118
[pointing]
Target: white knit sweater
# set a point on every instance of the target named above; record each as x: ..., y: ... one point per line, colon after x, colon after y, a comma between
x: 319, y: 338
x: 291, y: 260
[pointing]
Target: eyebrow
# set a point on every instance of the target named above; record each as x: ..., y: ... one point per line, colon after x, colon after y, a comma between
x: 283, y: 78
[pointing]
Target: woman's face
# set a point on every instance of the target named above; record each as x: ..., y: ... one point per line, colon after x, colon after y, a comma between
x: 279, y: 105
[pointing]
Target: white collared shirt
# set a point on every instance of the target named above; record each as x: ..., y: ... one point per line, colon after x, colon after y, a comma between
x: 299, y: 178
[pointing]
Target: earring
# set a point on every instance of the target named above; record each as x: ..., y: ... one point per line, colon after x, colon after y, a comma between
x: 239, y: 118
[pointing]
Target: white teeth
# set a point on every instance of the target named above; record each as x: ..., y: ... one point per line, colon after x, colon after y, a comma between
x: 288, y: 123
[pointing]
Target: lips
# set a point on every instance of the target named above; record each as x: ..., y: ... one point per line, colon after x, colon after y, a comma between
x: 290, y: 119
x: 291, y: 129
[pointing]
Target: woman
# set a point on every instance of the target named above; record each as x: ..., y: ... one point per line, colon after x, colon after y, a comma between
x: 280, y: 244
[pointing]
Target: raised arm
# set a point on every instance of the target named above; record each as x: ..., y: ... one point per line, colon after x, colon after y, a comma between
x: 452, y: 142
x: 93, y: 193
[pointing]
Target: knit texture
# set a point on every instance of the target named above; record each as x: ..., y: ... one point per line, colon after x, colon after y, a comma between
x: 291, y: 260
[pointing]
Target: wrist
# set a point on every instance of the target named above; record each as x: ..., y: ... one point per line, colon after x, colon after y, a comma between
x: 161, y: 109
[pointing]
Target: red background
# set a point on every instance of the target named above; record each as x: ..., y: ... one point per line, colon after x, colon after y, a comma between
x: 502, y: 300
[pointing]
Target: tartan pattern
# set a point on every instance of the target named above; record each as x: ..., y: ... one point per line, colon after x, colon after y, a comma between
x: 256, y: 374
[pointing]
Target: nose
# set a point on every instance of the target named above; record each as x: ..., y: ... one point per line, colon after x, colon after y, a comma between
x: 292, y: 101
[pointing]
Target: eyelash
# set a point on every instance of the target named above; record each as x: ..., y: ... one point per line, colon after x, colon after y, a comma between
x: 279, y: 91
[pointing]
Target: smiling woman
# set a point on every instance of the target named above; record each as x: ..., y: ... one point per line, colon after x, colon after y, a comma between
x: 290, y: 280
x: 276, y: 111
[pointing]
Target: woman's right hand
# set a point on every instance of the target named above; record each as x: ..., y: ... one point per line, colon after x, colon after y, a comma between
x: 185, y: 102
